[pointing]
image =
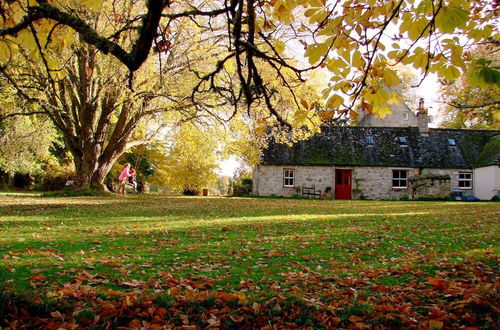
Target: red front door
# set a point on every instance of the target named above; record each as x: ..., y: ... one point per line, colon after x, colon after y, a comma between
x: 343, y: 186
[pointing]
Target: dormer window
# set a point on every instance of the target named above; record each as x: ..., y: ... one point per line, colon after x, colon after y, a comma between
x: 369, y: 140
x: 405, y: 115
x: 402, y: 141
x: 452, y: 142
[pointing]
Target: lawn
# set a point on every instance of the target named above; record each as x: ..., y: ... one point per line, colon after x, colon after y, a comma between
x: 164, y: 262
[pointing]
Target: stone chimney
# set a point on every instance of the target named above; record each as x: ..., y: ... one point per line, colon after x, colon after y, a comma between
x: 423, y: 119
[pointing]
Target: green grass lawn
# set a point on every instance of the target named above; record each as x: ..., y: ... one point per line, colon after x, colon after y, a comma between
x: 157, y: 261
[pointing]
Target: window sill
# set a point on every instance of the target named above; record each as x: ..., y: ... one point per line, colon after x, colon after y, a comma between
x: 402, y: 188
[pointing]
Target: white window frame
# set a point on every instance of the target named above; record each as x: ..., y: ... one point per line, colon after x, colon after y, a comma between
x: 399, y: 178
x: 288, y: 178
x: 465, y: 177
x: 405, y: 116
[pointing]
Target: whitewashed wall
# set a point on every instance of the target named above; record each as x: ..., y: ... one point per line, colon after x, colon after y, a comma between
x: 487, y: 182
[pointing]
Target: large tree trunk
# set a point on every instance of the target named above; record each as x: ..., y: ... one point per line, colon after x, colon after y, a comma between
x: 93, y: 164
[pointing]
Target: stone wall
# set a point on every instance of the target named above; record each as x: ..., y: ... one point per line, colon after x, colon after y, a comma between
x: 430, y: 186
x: 268, y: 180
x: 453, y: 173
x: 367, y: 182
x: 376, y: 183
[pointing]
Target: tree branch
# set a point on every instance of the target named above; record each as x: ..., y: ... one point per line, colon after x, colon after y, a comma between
x: 15, y: 114
x: 469, y: 106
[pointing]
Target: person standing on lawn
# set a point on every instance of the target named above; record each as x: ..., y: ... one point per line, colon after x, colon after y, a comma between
x: 132, y: 179
x: 123, y: 178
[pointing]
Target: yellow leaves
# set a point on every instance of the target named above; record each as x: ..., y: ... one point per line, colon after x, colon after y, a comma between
x: 310, y: 12
x: 414, y: 28
x: 457, y: 57
x: 334, y: 101
x: 480, y: 33
x: 420, y: 59
x: 316, y: 51
x: 93, y: 5
x: 390, y: 78
x: 448, y: 72
x: 6, y: 51
x: 451, y: 18
x: 300, y: 117
x: 358, y: 60
x: 394, y: 98
x: 279, y: 46
x: 283, y: 11
x: 496, y: 116
x: 425, y: 7
x: 335, y: 65
x: 261, y: 127
x: 26, y: 40
x: 377, y: 98
x: 316, y: 15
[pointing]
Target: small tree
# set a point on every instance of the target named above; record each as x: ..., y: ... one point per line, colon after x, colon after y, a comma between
x: 192, y: 159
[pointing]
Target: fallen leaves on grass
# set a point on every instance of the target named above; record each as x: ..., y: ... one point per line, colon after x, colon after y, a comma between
x: 309, y: 300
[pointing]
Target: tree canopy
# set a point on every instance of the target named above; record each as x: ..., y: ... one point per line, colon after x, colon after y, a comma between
x: 469, y: 105
x: 359, y: 41
x: 100, y: 69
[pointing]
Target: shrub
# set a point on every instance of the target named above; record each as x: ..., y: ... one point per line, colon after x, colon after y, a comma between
x: 191, y: 192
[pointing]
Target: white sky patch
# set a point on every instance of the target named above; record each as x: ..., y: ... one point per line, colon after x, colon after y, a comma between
x: 430, y: 91
x: 228, y: 166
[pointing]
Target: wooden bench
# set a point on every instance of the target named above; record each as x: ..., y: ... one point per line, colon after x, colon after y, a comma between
x: 309, y: 191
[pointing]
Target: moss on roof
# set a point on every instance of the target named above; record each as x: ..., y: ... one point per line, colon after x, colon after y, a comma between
x: 490, y: 155
x: 347, y: 146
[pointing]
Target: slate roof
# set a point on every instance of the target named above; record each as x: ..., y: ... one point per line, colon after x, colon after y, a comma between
x: 346, y: 146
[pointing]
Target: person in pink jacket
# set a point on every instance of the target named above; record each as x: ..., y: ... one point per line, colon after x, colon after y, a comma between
x: 123, y: 178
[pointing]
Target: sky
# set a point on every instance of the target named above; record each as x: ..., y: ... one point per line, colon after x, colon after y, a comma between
x: 228, y: 166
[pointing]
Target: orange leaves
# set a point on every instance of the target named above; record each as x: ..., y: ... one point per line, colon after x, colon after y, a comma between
x: 37, y: 278
x: 111, y: 264
x: 437, y: 283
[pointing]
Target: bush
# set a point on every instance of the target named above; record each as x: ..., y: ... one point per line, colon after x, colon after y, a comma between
x: 22, y: 181
x: 191, y: 192
x: 53, y: 183
x: 242, y: 188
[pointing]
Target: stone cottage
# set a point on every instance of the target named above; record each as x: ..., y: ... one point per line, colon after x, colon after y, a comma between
x: 407, y: 160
